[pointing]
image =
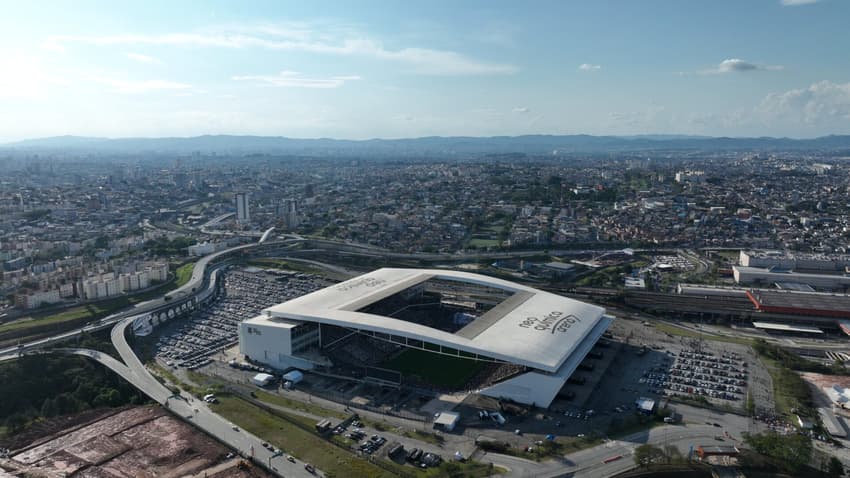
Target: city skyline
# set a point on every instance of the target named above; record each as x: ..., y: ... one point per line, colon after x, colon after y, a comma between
x: 386, y: 70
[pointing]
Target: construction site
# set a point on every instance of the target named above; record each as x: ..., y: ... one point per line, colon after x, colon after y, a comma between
x: 138, y: 442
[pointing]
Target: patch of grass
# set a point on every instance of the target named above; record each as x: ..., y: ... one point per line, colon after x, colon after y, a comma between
x: 380, y: 426
x: 732, y: 255
x: 605, y: 276
x: 469, y: 469
x: 286, y: 265
x: 482, y: 243
x: 166, y: 374
x: 295, y: 441
x: 546, y: 450
x: 81, y: 313
x: 209, y: 384
x: 77, y: 315
x: 427, y: 437
x: 437, y: 369
x: 789, y: 389
x: 278, y: 429
x: 575, y: 443
x: 632, y: 424
x: 298, y: 405
x: 788, y: 359
x: 162, y: 372
x: 183, y: 274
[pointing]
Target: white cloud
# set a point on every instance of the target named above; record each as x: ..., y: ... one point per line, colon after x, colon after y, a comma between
x: 589, y: 67
x: 24, y: 76
x: 737, y: 65
x: 822, y: 103
x: 423, y: 60
x: 138, y: 86
x: 794, y: 3
x: 521, y: 109
x: 142, y: 58
x: 648, y: 119
x: 293, y: 79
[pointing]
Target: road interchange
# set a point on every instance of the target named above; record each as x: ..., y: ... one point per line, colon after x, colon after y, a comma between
x: 592, y: 462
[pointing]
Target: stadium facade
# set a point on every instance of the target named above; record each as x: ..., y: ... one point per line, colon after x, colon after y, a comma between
x: 532, y: 340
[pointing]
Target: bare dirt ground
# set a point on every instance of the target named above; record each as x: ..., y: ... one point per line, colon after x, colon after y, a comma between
x: 821, y: 380
x: 43, y: 430
x: 139, y: 442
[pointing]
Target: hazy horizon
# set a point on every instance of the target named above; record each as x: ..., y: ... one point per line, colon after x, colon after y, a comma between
x: 662, y: 135
x: 394, y: 70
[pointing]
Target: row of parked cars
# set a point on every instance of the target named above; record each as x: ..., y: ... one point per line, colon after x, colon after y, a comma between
x: 215, y: 327
x: 496, y: 417
x: 699, y: 373
x: 421, y: 458
x: 580, y: 415
x: 373, y: 444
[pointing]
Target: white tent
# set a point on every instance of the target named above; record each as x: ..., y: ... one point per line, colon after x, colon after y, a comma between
x: 262, y: 379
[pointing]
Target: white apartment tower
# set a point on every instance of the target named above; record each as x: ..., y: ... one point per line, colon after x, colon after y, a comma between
x: 288, y: 211
x: 242, y: 212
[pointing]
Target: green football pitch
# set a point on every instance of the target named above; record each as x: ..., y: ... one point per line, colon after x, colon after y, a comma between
x: 441, y: 370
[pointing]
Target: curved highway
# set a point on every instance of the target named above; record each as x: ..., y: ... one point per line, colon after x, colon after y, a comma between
x: 592, y: 462
x: 200, y: 269
x: 196, y: 411
x: 193, y: 286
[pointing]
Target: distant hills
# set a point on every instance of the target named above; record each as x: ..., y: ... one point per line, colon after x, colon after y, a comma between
x: 434, y: 145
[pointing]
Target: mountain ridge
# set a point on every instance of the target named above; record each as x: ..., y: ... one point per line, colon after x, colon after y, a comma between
x: 445, y: 145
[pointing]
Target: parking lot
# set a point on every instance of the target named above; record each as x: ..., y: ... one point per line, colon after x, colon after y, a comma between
x: 702, y: 373
x: 651, y: 363
x: 676, y: 263
x: 191, y: 342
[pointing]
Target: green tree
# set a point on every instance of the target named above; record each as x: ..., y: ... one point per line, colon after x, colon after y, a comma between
x: 647, y: 454
x: 108, y: 397
x: 673, y: 454
x: 49, y: 408
x: 15, y: 422
x: 66, y: 403
x: 793, y: 451
x: 835, y: 467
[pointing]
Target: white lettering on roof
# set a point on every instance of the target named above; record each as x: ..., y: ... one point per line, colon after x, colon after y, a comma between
x: 366, y: 281
x: 553, y: 322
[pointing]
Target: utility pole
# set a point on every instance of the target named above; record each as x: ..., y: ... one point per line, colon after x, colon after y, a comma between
x: 275, y: 455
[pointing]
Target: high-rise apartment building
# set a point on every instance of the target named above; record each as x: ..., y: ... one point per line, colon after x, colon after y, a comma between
x: 242, y: 212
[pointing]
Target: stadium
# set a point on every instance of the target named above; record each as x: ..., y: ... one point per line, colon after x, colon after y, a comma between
x: 437, y: 329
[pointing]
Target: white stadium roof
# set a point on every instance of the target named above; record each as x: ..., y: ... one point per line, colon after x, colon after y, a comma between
x: 531, y: 327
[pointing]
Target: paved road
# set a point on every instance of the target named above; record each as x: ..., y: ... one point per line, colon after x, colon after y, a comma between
x: 195, y: 283
x: 708, y: 330
x: 193, y: 286
x: 613, y: 456
x: 197, y: 411
x: 191, y: 409
x: 584, y: 463
x: 591, y: 463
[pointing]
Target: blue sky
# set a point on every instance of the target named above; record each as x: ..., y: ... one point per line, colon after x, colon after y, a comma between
x: 365, y: 69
